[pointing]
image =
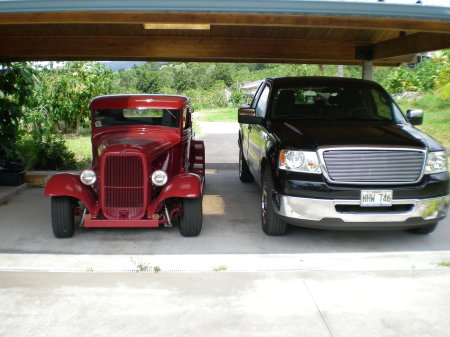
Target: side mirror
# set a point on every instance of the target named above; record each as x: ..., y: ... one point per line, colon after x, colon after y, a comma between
x: 247, y: 115
x: 415, y: 117
x: 190, y: 109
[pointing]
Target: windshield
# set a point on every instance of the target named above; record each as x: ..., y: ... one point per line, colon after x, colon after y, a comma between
x: 335, y: 102
x: 116, y: 117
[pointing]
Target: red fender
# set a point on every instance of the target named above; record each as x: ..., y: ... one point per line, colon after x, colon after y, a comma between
x: 69, y: 184
x: 183, y: 185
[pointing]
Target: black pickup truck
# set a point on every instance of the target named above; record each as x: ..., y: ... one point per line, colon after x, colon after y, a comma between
x: 338, y: 153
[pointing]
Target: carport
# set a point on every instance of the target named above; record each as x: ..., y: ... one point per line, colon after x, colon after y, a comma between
x: 321, y: 32
x: 364, y: 33
x: 307, y: 283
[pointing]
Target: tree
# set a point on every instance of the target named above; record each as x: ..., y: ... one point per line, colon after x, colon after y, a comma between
x: 184, y: 78
x: 148, y: 79
x: 66, y: 91
x: 16, y: 80
x: 224, y: 72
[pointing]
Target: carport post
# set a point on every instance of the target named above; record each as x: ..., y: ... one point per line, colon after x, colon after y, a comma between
x: 367, y: 70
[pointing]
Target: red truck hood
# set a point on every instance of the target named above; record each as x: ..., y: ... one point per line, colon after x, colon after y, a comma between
x: 152, y: 140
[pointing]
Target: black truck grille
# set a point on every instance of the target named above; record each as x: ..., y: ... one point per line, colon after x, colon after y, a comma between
x: 373, y: 165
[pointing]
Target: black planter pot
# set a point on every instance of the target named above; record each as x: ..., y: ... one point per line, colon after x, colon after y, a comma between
x: 11, y: 178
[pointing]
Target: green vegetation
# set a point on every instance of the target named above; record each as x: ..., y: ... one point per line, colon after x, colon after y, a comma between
x: 81, y: 147
x: 436, y: 115
x: 227, y: 114
x: 44, y: 109
x: 220, y: 268
x: 38, y: 104
x: 15, y: 89
x: 444, y: 264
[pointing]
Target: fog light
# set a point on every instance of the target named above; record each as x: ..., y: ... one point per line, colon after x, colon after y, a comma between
x: 159, y: 178
x: 88, y: 177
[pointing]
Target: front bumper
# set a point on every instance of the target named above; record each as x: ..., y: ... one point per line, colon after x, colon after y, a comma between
x: 336, y: 214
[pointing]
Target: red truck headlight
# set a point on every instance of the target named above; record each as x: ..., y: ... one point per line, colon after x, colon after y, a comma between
x: 88, y: 177
x: 159, y: 178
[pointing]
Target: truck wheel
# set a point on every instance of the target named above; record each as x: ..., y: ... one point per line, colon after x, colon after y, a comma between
x: 62, y: 216
x: 272, y: 224
x: 427, y: 229
x: 244, y: 173
x: 191, y: 220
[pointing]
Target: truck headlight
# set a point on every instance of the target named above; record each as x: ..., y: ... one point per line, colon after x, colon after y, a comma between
x: 159, y: 178
x: 88, y: 177
x: 299, y: 161
x: 436, y: 162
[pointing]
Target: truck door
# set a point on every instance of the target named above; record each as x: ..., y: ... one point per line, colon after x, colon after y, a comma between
x: 245, y: 128
x: 256, y: 134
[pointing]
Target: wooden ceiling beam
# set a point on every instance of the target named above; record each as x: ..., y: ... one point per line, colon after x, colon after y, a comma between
x: 173, y: 48
x: 282, y: 20
x: 193, y: 49
x: 409, y: 44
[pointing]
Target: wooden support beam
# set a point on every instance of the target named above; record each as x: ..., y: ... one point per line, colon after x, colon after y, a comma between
x: 174, y: 48
x: 410, y: 44
x: 282, y: 20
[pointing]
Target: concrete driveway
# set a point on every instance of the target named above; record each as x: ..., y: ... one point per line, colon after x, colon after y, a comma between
x: 232, y: 280
x: 231, y: 225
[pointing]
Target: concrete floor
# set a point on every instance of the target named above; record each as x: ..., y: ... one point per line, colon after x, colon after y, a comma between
x: 232, y: 280
x: 336, y: 304
x: 231, y: 225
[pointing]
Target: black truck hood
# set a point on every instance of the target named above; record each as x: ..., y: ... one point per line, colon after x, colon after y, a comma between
x: 309, y: 135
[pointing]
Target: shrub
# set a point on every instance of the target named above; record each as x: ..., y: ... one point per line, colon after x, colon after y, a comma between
x: 401, y: 80
x: 49, y: 154
x: 15, y: 91
x: 238, y: 98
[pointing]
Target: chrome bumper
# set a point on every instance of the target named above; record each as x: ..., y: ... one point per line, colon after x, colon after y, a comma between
x: 321, y: 209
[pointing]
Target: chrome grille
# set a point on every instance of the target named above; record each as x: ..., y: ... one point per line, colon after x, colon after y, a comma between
x: 374, y: 166
x: 123, y: 187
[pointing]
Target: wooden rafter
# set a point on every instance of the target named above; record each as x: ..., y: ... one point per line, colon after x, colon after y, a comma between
x: 414, y: 43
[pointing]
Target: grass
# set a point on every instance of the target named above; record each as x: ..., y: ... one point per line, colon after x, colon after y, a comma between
x: 220, y: 268
x: 227, y: 114
x: 81, y: 146
x: 436, y: 122
x: 444, y: 264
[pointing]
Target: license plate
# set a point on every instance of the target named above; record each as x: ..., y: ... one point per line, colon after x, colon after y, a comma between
x: 376, y: 198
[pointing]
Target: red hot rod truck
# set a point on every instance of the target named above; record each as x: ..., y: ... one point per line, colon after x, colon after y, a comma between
x: 147, y: 169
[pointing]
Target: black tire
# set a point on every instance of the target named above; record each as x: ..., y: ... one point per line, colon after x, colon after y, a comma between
x: 272, y: 223
x: 244, y: 173
x: 62, y: 216
x: 191, y: 220
x: 427, y: 229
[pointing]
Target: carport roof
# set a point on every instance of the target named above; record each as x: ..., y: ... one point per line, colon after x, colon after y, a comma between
x: 292, y: 31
